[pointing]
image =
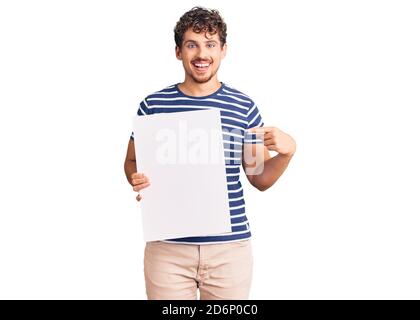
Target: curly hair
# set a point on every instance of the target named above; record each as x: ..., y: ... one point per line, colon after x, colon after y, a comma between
x: 200, y: 19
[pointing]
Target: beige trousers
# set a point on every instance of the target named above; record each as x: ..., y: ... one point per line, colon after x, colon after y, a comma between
x: 175, y: 271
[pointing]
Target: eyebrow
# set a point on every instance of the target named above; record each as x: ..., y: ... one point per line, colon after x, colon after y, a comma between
x: 196, y: 41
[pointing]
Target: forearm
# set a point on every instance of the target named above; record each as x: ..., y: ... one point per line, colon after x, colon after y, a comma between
x: 273, y: 168
x: 130, y: 167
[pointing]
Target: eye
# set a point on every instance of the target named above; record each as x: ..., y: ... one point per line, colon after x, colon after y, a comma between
x: 212, y: 45
x: 190, y: 45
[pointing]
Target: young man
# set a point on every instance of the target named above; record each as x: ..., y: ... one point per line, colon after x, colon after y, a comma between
x: 220, y: 265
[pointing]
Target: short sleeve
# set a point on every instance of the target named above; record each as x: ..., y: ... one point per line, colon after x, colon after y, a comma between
x: 143, y: 110
x: 254, y: 119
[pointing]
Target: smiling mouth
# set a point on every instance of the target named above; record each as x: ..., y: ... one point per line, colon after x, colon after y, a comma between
x: 201, y: 67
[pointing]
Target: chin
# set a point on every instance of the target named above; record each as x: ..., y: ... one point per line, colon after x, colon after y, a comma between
x: 202, y: 80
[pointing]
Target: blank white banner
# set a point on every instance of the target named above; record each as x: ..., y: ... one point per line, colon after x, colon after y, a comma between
x: 182, y: 155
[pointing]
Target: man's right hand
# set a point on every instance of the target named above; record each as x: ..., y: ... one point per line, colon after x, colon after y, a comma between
x: 139, y: 181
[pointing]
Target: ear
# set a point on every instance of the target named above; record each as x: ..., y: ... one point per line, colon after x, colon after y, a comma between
x: 178, y: 53
x: 224, y: 50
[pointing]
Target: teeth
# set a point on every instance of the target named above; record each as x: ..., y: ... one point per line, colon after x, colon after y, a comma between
x: 201, y: 65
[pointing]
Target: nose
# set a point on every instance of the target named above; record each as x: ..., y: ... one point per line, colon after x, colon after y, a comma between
x: 202, y: 53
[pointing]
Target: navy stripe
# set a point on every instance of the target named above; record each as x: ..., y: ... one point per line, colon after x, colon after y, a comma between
x: 233, y: 122
x: 157, y: 103
x: 232, y: 178
x: 228, y: 145
x: 236, y: 195
x: 233, y: 170
x: 238, y: 219
x: 238, y: 211
x: 236, y: 203
x: 215, y: 238
x: 235, y: 186
x: 239, y: 228
x: 170, y: 110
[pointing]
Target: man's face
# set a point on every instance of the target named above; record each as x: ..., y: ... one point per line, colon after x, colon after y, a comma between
x: 200, y: 56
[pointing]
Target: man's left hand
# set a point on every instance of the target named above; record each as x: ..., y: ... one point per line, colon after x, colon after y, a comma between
x: 276, y: 140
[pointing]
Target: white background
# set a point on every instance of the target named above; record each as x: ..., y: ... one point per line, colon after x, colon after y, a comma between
x: 342, y: 77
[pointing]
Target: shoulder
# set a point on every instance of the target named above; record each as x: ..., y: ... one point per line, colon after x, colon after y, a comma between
x: 168, y: 91
x: 146, y: 104
x: 242, y: 98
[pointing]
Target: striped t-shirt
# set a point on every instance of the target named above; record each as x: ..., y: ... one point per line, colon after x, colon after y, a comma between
x: 238, y: 113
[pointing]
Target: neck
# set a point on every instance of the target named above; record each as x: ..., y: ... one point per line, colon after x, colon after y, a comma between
x: 192, y: 88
